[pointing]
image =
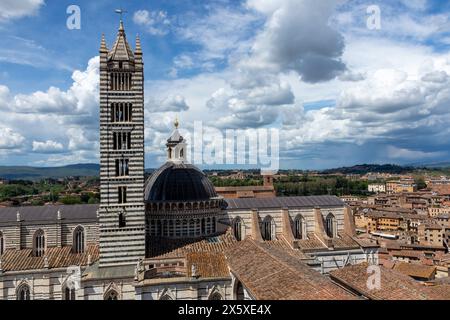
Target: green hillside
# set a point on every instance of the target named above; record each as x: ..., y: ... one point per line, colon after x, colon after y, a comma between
x: 37, y: 173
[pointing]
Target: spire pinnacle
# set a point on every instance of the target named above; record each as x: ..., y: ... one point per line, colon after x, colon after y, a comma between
x: 138, y: 45
x: 103, y: 47
x: 176, y: 123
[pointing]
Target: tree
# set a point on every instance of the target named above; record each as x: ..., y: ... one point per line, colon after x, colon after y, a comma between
x: 420, y: 182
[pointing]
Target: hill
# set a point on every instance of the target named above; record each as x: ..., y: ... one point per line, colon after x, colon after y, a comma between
x: 36, y: 173
x: 365, y: 168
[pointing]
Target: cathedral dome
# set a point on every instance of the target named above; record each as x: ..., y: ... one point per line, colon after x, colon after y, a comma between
x: 178, y: 182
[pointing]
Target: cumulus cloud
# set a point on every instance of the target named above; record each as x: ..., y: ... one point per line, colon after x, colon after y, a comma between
x: 79, y: 139
x: 251, y: 100
x: 48, y: 146
x: 171, y: 103
x: 57, y: 117
x: 13, y: 9
x: 352, y: 76
x: 408, y: 111
x: 82, y: 96
x: 297, y: 37
x: 10, y: 139
x: 391, y: 92
x: 156, y: 23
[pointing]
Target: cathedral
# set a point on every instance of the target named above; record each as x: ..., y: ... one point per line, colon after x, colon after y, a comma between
x: 172, y: 236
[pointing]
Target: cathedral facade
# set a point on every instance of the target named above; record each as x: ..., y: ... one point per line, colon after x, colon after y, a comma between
x: 172, y: 236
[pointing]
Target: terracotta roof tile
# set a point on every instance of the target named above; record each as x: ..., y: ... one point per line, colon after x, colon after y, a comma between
x: 415, y: 270
x: 171, y: 248
x: 394, y: 285
x: 16, y: 260
x: 207, y: 264
x: 269, y: 272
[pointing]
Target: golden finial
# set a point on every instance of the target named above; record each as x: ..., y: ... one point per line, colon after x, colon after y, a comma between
x: 176, y: 123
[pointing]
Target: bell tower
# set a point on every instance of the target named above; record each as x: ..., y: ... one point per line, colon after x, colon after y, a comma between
x: 122, y: 211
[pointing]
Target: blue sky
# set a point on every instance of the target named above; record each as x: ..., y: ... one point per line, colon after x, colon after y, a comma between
x: 339, y: 92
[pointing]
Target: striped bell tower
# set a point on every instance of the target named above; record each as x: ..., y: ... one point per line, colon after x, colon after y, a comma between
x: 122, y: 211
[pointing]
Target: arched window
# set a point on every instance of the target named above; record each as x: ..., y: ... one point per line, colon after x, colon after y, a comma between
x: 39, y: 243
x: 23, y: 292
x: 237, y: 228
x: 239, y: 293
x: 78, y: 240
x: 112, y: 295
x: 215, y: 296
x: 268, y: 228
x: 299, y: 227
x: 69, y: 294
x: 165, y: 297
x: 329, y: 225
x: 181, y: 153
x: 2, y: 244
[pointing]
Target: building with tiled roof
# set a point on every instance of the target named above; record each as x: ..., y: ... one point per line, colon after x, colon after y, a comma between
x: 416, y: 270
x: 173, y: 236
x: 277, y: 274
x: 380, y: 283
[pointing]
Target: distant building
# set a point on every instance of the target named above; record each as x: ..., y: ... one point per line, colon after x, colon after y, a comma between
x: 436, y: 211
x: 267, y: 190
x: 376, y: 187
x: 440, y: 186
x: 431, y: 233
x: 416, y: 271
x: 399, y: 186
x: 350, y: 199
x: 353, y: 177
x: 394, y: 284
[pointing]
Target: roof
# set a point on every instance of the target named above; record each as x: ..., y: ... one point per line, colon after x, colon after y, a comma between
x: 174, y: 248
x: 415, y: 270
x: 46, y: 213
x: 407, y: 253
x: 207, y: 264
x: 95, y: 272
x: 178, y: 182
x: 344, y: 241
x: 58, y: 257
x: 121, y: 49
x: 245, y: 188
x: 284, y: 202
x: 272, y: 273
x: 393, y: 284
x: 432, y: 226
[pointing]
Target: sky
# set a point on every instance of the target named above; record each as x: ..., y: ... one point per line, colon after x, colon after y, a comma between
x: 342, y: 86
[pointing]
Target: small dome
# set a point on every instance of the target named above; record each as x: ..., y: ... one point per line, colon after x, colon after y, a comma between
x: 178, y: 182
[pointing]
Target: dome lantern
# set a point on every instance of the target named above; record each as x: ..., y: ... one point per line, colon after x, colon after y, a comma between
x: 176, y: 146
